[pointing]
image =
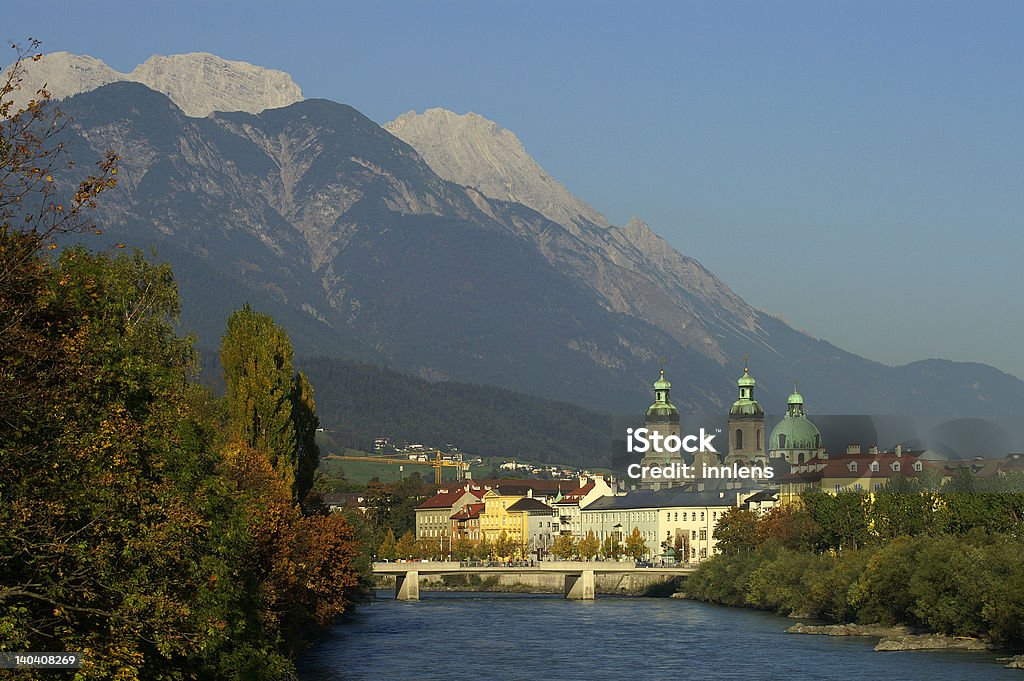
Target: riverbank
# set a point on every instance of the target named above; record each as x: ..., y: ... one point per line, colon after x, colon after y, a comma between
x: 922, y: 593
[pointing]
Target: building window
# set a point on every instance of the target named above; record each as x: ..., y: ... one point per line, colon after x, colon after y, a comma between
x: 677, y: 515
x: 693, y: 534
x: 703, y: 535
x: 896, y: 466
x: 702, y: 516
x: 782, y: 440
x: 918, y: 466
x: 837, y: 487
x: 758, y: 439
x: 874, y: 466
x: 739, y: 439
x: 878, y: 486
x: 852, y: 466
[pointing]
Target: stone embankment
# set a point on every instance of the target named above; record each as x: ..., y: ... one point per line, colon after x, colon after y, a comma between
x: 932, y: 642
x: 900, y: 637
x: 879, y: 630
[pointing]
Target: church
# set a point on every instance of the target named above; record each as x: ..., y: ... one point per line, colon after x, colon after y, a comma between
x: 794, y: 440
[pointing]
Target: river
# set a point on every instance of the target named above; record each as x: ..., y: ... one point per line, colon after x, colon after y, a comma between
x: 451, y: 636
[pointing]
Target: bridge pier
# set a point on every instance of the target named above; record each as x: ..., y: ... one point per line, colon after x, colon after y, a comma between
x: 580, y: 587
x: 407, y: 586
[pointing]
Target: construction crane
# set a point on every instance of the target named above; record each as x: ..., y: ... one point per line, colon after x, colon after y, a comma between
x: 437, y: 463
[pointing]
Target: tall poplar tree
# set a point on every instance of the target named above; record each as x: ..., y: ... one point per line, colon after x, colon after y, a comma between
x: 270, y: 406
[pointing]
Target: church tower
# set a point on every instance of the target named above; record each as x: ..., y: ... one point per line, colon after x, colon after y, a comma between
x: 663, y: 418
x: 746, y: 425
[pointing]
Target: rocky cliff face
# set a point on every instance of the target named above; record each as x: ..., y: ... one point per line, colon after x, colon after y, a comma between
x: 475, y: 152
x: 198, y: 82
x: 636, y: 272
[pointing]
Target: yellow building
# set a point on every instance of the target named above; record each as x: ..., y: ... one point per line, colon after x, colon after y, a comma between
x: 496, y: 519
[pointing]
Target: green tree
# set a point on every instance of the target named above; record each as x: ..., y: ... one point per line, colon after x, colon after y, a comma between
x: 270, y: 406
x: 388, y: 548
x: 736, y: 531
x: 962, y: 481
x: 636, y: 545
x: 842, y: 517
x: 589, y: 545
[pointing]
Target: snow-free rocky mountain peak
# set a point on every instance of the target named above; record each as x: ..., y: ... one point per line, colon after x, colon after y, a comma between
x: 198, y: 82
x: 476, y: 152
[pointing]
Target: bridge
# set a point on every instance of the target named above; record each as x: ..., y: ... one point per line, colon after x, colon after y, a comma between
x: 579, y: 575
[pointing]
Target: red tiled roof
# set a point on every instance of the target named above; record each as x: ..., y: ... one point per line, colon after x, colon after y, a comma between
x: 468, y: 512
x: 839, y: 467
x: 447, y: 497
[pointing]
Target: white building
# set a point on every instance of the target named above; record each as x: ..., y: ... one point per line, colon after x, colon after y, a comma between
x: 672, y: 521
x: 569, y: 504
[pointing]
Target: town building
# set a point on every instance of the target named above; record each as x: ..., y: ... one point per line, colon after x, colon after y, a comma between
x: 433, y: 516
x: 675, y: 523
x: 465, y: 523
x: 532, y: 526
x: 860, y: 471
x: 568, y: 505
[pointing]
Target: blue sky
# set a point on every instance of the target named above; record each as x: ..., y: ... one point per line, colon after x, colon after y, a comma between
x: 856, y: 167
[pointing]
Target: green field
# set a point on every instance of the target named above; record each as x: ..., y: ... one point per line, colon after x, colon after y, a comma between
x: 360, y: 472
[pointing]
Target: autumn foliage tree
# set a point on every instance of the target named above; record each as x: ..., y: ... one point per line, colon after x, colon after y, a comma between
x: 564, y: 546
x: 589, y: 545
x: 131, y: 528
x: 636, y: 545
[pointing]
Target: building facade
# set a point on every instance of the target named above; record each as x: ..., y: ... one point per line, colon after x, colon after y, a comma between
x: 675, y: 523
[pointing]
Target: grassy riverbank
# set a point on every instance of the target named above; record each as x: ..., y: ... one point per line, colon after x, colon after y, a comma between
x: 958, y: 585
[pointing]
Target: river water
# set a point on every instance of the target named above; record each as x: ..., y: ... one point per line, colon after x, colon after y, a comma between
x: 523, y: 637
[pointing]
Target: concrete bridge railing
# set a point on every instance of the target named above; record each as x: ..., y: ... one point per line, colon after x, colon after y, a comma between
x: 578, y: 583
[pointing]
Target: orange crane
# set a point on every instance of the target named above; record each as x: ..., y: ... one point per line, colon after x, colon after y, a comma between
x: 437, y: 463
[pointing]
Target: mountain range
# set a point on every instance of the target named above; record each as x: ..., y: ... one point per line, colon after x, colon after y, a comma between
x: 435, y: 245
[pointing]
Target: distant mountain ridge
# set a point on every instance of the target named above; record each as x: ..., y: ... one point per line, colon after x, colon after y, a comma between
x: 198, y: 82
x: 346, y: 234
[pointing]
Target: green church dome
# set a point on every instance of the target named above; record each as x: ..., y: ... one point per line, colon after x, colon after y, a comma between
x: 795, y: 431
